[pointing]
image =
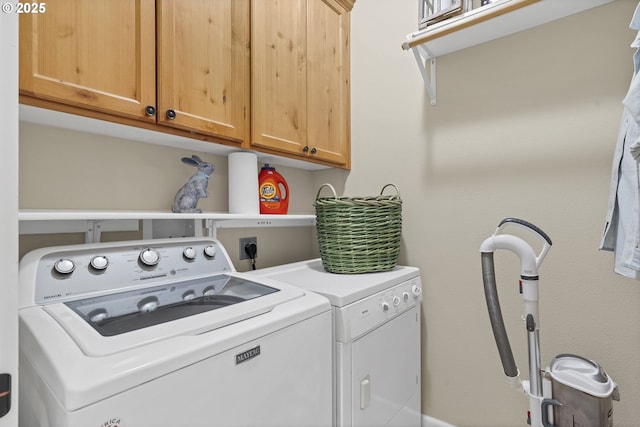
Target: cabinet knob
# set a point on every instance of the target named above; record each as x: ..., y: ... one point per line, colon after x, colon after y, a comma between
x: 171, y: 114
x: 305, y: 149
x: 150, y: 110
x: 314, y: 150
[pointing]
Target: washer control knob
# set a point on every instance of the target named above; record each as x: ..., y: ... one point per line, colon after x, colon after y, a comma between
x: 149, y: 256
x: 189, y: 253
x: 396, y: 301
x: 385, y: 306
x: 148, y: 304
x: 189, y: 295
x: 64, y: 266
x: 405, y: 296
x: 210, y: 251
x: 99, y: 262
x: 416, y: 290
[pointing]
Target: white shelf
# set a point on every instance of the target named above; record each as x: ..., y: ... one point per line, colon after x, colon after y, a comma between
x: 64, y: 214
x: 484, y: 24
x: 93, y: 223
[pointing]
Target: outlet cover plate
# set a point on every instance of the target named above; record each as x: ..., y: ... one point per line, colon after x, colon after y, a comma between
x: 244, y: 241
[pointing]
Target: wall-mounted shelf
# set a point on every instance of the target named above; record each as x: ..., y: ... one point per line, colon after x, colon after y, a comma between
x: 483, y: 24
x: 94, y: 223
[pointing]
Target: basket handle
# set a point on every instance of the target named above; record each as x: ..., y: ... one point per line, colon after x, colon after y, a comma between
x: 390, y: 185
x: 327, y: 185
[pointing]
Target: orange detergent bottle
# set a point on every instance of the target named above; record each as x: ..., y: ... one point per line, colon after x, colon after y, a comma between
x: 273, y: 191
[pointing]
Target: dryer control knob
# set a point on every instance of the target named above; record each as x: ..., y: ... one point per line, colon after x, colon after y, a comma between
x: 385, y: 306
x: 149, y: 256
x: 99, y: 262
x: 189, y: 253
x: 188, y: 296
x: 405, y: 296
x: 210, y: 251
x: 416, y: 290
x: 64, y: 266
x: 396, y: 301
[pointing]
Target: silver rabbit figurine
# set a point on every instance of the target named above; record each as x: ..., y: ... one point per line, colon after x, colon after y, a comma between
x: 187, y: 197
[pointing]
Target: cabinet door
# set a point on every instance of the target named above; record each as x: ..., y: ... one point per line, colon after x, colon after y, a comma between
x: 279, y: 75
x: 203, y: 66
x: 300, y: 79
x: 91, y: 53
x: 328, y: 74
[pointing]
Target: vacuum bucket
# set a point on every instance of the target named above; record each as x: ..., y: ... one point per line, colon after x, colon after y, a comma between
x: 583, y: 393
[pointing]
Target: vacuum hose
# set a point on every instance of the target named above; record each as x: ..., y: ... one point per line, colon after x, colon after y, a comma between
x: 495, y: 315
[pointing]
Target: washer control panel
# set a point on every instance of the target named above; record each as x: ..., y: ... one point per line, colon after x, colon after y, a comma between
x: 368, y: 313
x: 70, y: 272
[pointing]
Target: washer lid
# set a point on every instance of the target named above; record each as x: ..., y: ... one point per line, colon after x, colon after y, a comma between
x: 117, y: 322
x: 123, y: 312
x: 582, y: 374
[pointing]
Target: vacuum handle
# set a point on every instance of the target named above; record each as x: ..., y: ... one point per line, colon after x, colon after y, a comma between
x: 528, y: 225
x: 546, y: 240
x: 544, y: 410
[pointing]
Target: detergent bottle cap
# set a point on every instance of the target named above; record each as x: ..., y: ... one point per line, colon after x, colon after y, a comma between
x: 267, y: 167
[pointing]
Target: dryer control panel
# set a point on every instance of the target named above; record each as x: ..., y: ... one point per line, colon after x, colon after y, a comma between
x: 368, y: 313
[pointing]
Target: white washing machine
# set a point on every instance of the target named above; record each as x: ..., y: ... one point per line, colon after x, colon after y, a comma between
x: 376, y: 320
x: 165, y: 333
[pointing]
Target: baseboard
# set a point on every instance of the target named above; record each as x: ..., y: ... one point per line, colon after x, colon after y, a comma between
x: 428, y: 421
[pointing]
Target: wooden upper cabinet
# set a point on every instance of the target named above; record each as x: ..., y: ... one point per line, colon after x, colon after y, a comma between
x: 203, y: 66
x: 279, y: 74
x: 328, y: 81
x: 272, y: 75
x: 300, y: 92
x: 104, y: 55
x: 92, y: 53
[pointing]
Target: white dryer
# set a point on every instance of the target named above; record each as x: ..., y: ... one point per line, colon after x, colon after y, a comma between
x: 165, y: 333
x: 376, y: 320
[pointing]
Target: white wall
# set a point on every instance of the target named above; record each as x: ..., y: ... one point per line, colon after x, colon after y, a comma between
x: 524, y: 126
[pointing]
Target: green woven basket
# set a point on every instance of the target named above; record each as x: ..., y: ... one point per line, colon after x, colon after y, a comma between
x: 360, y: 234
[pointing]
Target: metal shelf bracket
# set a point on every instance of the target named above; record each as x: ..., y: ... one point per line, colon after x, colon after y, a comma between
x: 424, y: 56
x: 92, y: 229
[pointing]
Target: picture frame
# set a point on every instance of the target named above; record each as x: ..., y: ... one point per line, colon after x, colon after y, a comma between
x: 432, y: 11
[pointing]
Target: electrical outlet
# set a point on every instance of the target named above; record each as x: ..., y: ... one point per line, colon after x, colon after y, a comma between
x: 244, y: 241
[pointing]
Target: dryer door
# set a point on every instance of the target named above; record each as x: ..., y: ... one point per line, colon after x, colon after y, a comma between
x: 386, y: 374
